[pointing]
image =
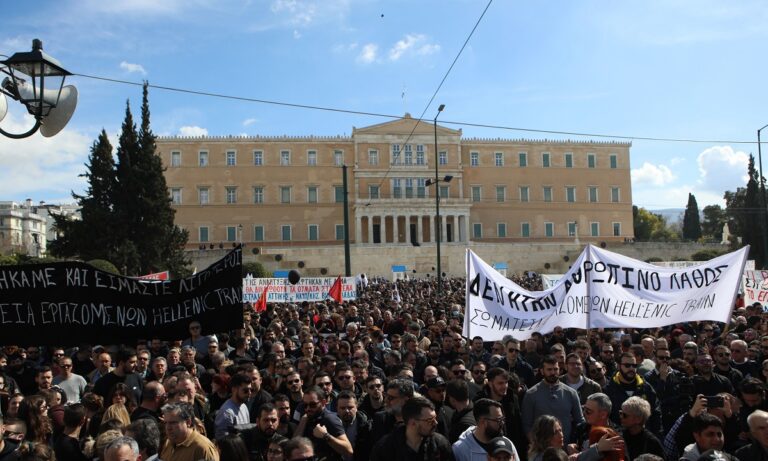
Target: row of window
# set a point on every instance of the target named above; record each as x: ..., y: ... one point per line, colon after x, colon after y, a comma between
x: 547, y: 194
x: 204, y: 195
x: 205, y: 234
x: 401, y: 188
x: 406, y: 157
x: 203, y: 158
x: 499, y: 159
x: 549, y: 229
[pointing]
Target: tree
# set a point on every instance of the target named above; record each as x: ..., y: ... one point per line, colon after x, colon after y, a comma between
x: 712, y: 225
x: 691, y: 223
x: 746, y: 215
x: 91, y: 237
x: 127, y: 215
x: 651, y: 227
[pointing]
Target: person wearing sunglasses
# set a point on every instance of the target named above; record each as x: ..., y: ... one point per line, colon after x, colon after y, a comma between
x: 489, y: 417
x: 706, y: 382
x: 723, y: 366
x: 299, y: 449
x: 416, y: 438
x: 665, y: 380
x: 322, y: 427
x: 626, y: 383
x: 513, y: 362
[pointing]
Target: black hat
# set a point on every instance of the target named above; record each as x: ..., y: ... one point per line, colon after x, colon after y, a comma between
x: 499, y: 445
x: 435, y: 382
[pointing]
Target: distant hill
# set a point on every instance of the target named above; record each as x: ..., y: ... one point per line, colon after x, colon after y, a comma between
x: 673, y: 215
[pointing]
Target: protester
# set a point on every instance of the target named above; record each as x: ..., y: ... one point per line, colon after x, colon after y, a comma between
x: 384, y: 367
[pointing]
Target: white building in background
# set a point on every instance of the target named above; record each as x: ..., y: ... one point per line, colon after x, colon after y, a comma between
x: 49, y: 210
x: 22, y: 230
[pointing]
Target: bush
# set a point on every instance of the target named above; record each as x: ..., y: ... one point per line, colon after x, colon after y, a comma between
x: 104, y: 265
x: 705, y: 255
x: 256, y: 269
x: 654, y: 259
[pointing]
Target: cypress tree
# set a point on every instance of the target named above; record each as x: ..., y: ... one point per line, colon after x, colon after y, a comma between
x: 91, y: 237
x: 691, y: 221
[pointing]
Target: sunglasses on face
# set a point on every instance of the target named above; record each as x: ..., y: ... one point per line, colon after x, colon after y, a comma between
x: 629, y: 365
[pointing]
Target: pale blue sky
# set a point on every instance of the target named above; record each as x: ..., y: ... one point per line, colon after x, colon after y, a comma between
x: 663, y: 69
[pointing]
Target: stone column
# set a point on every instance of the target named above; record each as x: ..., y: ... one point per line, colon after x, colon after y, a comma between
x: 444, y: 229
x: 370, y: 228
x: 383, y: 228
x: 419, y: 229
x: 358, y: 229
x: 467, y: 227
x: 395, y: 230
x: 408, y: 237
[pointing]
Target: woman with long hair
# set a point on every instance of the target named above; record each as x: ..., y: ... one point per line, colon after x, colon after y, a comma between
x: 34, y: 412
x: 232, y: 448
x: 123, y: 395
x: 119, y: 412
x: 545, y: 433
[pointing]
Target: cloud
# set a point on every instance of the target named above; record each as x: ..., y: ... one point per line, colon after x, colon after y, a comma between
x: 193, y: 131
x: 41, y: 168
x: 721, y: 168
x: 133, y: 68
x: 301, y: 13
x: 368, y: 53
x: 296, y: 34
x: 412, y: 44
x: 656, y: 175
x: 249, y: 121
x: 677, y: 161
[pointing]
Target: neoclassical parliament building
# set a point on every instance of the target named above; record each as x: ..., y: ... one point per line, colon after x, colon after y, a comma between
x: 288, y: 191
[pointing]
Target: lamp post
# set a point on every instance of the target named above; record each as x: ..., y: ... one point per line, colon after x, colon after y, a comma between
x: 764, y: 223
x: 51, y: 108
x: 438, y: 232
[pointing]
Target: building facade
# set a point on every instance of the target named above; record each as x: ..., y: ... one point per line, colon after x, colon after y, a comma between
x: 22, y: 229
x: 288, y: 191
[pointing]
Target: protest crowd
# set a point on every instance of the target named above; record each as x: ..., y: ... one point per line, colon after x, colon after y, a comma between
x: 389, y: 376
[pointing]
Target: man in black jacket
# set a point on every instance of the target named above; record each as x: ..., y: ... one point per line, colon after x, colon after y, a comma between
x: 457, y: 396
x: 758, y: 430
x: 356, y: 425
x: 124, y: 372
x: 416, y: 440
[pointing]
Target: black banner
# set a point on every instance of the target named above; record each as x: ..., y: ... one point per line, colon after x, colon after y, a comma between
x: 71, y: 303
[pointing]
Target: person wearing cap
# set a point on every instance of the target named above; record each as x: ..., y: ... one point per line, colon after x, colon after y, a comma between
x: 434, y: 390
x: 475, y: 442
x: 501, y: 449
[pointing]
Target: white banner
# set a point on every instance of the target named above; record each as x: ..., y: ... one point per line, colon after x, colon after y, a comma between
x: 312, y: 289
x: 754, y: 284
x: 602, y: 289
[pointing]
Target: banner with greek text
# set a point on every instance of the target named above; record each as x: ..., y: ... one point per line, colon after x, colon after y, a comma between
x: 602, y: 289
x: 497, y: 307
x: 754, y: 285
x: 312, y: 289
x: 69, y: 303
x: 624, y: 292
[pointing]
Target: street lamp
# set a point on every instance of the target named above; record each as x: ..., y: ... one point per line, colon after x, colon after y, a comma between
x: 52, y: 108
x: 437, y: 204
x: 764, y: 224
